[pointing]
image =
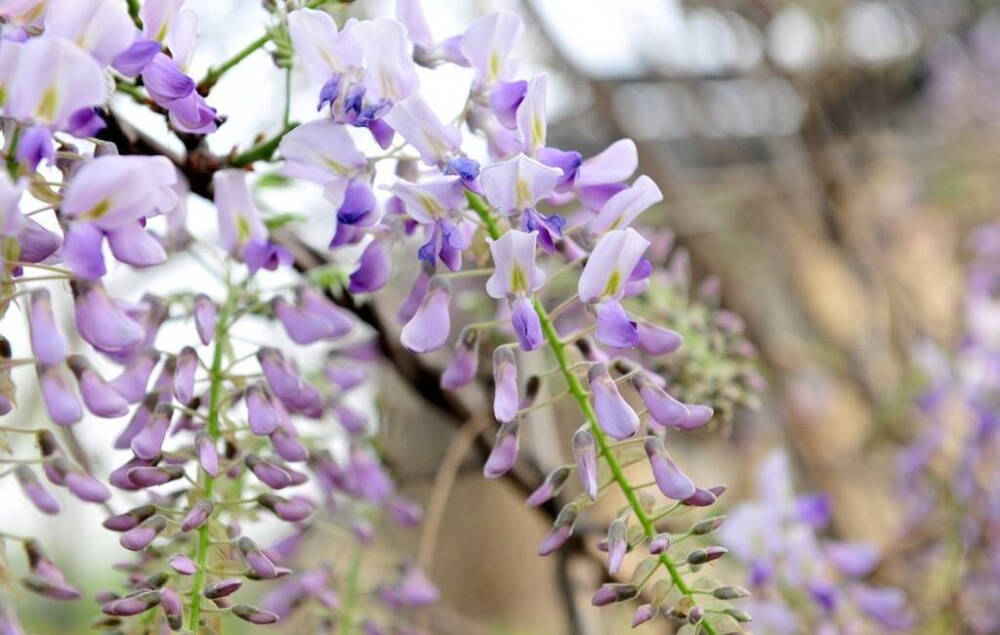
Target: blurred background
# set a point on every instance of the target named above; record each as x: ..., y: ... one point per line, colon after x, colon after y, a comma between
x: 823, y: 164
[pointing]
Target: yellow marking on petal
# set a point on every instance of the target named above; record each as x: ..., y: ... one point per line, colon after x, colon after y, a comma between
x: 518, y: 281
x: 336, y: 166
x: 47, y: 105
x: 35, y: 13
x: 431, y: 205
x: 614, y: 281
x: 537, y: 132
x: 3, y: 94
x: 99, y: 210
x: 523, y: 194
x: 162, y: 33
x: 388, y: 86
x: 242, y: 229
x: 494, y: 66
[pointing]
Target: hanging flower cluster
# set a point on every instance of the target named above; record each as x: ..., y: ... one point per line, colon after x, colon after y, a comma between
x: 949, y: 471
x: 215, y: 433
x: 800, y: 581
x: 213, y: 428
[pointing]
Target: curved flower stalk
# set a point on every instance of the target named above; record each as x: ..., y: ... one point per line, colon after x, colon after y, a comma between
x: 947, y: 473
x: 220, y: 430
x: 514, y: 205
x: 800, y: 581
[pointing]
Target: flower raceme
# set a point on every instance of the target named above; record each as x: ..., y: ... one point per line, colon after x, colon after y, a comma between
x: 212, y: 427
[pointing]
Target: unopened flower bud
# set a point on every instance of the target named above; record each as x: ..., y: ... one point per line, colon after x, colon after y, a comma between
x: 208, y: 458
x: 86, y: 487
x: 664, y: 410
x: 585, y: 453
x: 170, y: 602
x: 149, y: 441
x: 182, y: 564
x: 701, y: 556
x: 99, y: 396
x: 657, y: 340
x: 292, y: 510
x: 615, y: 416
x: 461, y: 370
x: 150, y: 476
x: 155, y: 580
x: 262, y: 416
x: 47, y: 443
x: 730, y: 593
x: 504, y: 453
x: 254, y: 615
x: 58, y: 396
x: 738, y: 615
x: 617, y: 544
x: 286, y: 444
x: 707, y: 525
x: 659, y: 544
x: 47, y: 341
x: 550, y: 487
x: 259, y: 563
x: 643, y: 614
x: 222, y: 588
x: 505, y: 397
x: 139, y: 537
x: 698, y: 415
x: 199, y: 513
x: 613, y: 592
x: 700, y: 498
x: 404, y: 512
x: 695, y: 614
x: 130, y: 519
x: 35, y: 491
x: 561, y: 530
x: 205, y: 317
x: 669, y: 478
x: 268, y: 473
x: 132, y: 604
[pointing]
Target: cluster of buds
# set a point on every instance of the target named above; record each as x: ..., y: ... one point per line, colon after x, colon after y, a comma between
x: 214, y: 439
x: 718, y: 365
x: 947, y: 472
x: 800, y: 581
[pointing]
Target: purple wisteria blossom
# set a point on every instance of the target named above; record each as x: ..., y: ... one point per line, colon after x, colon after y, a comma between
x: 241, y: 395
x: 776, y: 536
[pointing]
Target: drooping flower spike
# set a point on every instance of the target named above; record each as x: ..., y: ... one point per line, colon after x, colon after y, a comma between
x: 219, y: 426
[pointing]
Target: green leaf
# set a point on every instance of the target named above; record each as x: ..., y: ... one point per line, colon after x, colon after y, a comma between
x: 272, y: 179
x: 280, y: 220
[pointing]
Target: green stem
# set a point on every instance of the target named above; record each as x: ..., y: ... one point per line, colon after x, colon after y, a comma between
x: 263, y: 151
x: 350, y: 595
x: 579, y: 393
x: 133, y: 91
x: 12, y: 166
x: 208, y: 482
x: 133, y: 11
x: 216, y: 72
